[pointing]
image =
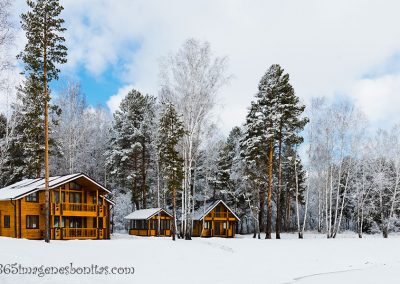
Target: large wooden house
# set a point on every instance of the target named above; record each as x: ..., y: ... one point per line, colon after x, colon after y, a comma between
x: 79, y: 209
x: 215, y: 220
x: 146, y: 222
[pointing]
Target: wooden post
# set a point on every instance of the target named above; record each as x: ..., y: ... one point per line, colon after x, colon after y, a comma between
x: 19, y: 218
x: 14, y: 204
x: 212, y: 223
x: 97, y: 215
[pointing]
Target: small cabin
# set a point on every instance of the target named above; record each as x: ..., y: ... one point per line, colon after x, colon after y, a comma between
x: 79, y: 208
x: 147, y: 222
x: 215, y: 220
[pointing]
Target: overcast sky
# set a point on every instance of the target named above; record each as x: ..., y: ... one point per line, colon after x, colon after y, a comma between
x: 329, y: 48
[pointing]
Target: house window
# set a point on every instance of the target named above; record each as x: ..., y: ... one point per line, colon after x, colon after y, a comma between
x: 75, y: 197
x: 75, y: 222
x: 56, y: 197
x: 56, y: 221
x: 224, y: 226
x: 32, y: 221
x: 99, y: 202
x: 74, y: 185
x: 33, y: 197
x: 6, y: 221
x: 207, y: 225
x: 100, y: 223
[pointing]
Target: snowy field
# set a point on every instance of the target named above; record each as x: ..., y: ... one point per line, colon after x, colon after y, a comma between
x: 314, y: 259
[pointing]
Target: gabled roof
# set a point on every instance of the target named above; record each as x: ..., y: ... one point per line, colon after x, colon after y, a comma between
x: 145, y: 214
x: 201, y: 212
x: 28, y: 186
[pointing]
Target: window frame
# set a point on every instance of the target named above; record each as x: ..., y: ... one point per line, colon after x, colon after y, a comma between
x: 28, y: 222
x: 34, y: 194
x: 8, y: 223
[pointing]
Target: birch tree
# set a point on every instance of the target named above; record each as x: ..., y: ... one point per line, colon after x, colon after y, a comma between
x: 191, y: 79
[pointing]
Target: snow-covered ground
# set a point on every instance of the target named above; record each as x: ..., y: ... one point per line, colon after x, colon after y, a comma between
x: 314, y: 259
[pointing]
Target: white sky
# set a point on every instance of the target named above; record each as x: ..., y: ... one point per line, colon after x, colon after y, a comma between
x: 329, y: 48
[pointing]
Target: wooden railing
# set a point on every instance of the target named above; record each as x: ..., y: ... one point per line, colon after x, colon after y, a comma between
x: 79, y: 207
x: 221, y: 214
x: 79, y: 233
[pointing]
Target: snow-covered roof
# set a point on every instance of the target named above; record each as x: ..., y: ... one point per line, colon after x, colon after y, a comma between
x: 203, y: 211
x: 28, y: 186
x: 144, y: 214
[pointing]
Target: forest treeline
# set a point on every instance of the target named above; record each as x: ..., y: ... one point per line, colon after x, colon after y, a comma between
x: 288, y: 168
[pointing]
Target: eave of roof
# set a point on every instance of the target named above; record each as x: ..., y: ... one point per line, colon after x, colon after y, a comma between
x: 16, y: 190
x: 147, y: 216
x: 215, y: 205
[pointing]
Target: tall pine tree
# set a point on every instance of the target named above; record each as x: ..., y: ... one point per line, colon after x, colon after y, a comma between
x: 43, y: 51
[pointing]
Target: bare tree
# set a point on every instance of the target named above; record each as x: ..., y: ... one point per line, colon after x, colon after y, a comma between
x: 6, y: 39
x: 191, y: 79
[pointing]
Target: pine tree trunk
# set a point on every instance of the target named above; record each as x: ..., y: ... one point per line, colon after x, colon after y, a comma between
x: 173, y: 213
x: 297, y: 198
x: 144, y: 193
x: 360, y: 222
x: 269, y: 195
x: 278, y: 196
x: 46, y: 137
x: 261, y: 211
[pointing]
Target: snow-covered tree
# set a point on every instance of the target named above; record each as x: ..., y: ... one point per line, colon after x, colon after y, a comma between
x: 128, y: 158
x: 191, y: 79
x: 43, y: 51
x: 170, y: 135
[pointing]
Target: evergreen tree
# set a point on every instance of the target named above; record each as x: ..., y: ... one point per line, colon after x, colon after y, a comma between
x: 44, y: 49
x: 225, y: 161
x: 254, y: 145
x: 170, y: 134
x: 129, y: 156
x: 3, y: 126
x: 288, y: 124
x: 289, y: 184
x: 273, y: 119
x: 29, y: 131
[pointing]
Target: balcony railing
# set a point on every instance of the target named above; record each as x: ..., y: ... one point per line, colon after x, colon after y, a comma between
x: 221, y: 214
x: 79, y: 233
x: 79, y: 207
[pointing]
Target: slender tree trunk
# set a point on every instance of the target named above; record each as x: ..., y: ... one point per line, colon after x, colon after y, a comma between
x: 158, y: 194
x: 305, y: 209
x: 319, y: 212
x: 278, y: 195
x: 297, y: 198
x: 360, y: 222
x: 173, y: 213
x: 144, y: 190
x: 337, y: 199
x: 46, y: 136
x: 330, y: 202
x: 337, y: 229
x: 269, y: 194
x: 261, y: 209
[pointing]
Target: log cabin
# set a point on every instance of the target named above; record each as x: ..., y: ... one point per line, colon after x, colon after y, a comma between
x: 215, y: 220
x: 145, y: 222
x: 79, y: 209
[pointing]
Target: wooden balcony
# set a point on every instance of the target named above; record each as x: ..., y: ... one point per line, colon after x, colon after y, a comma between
x: 77, y: 209
x: 77, y: 233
